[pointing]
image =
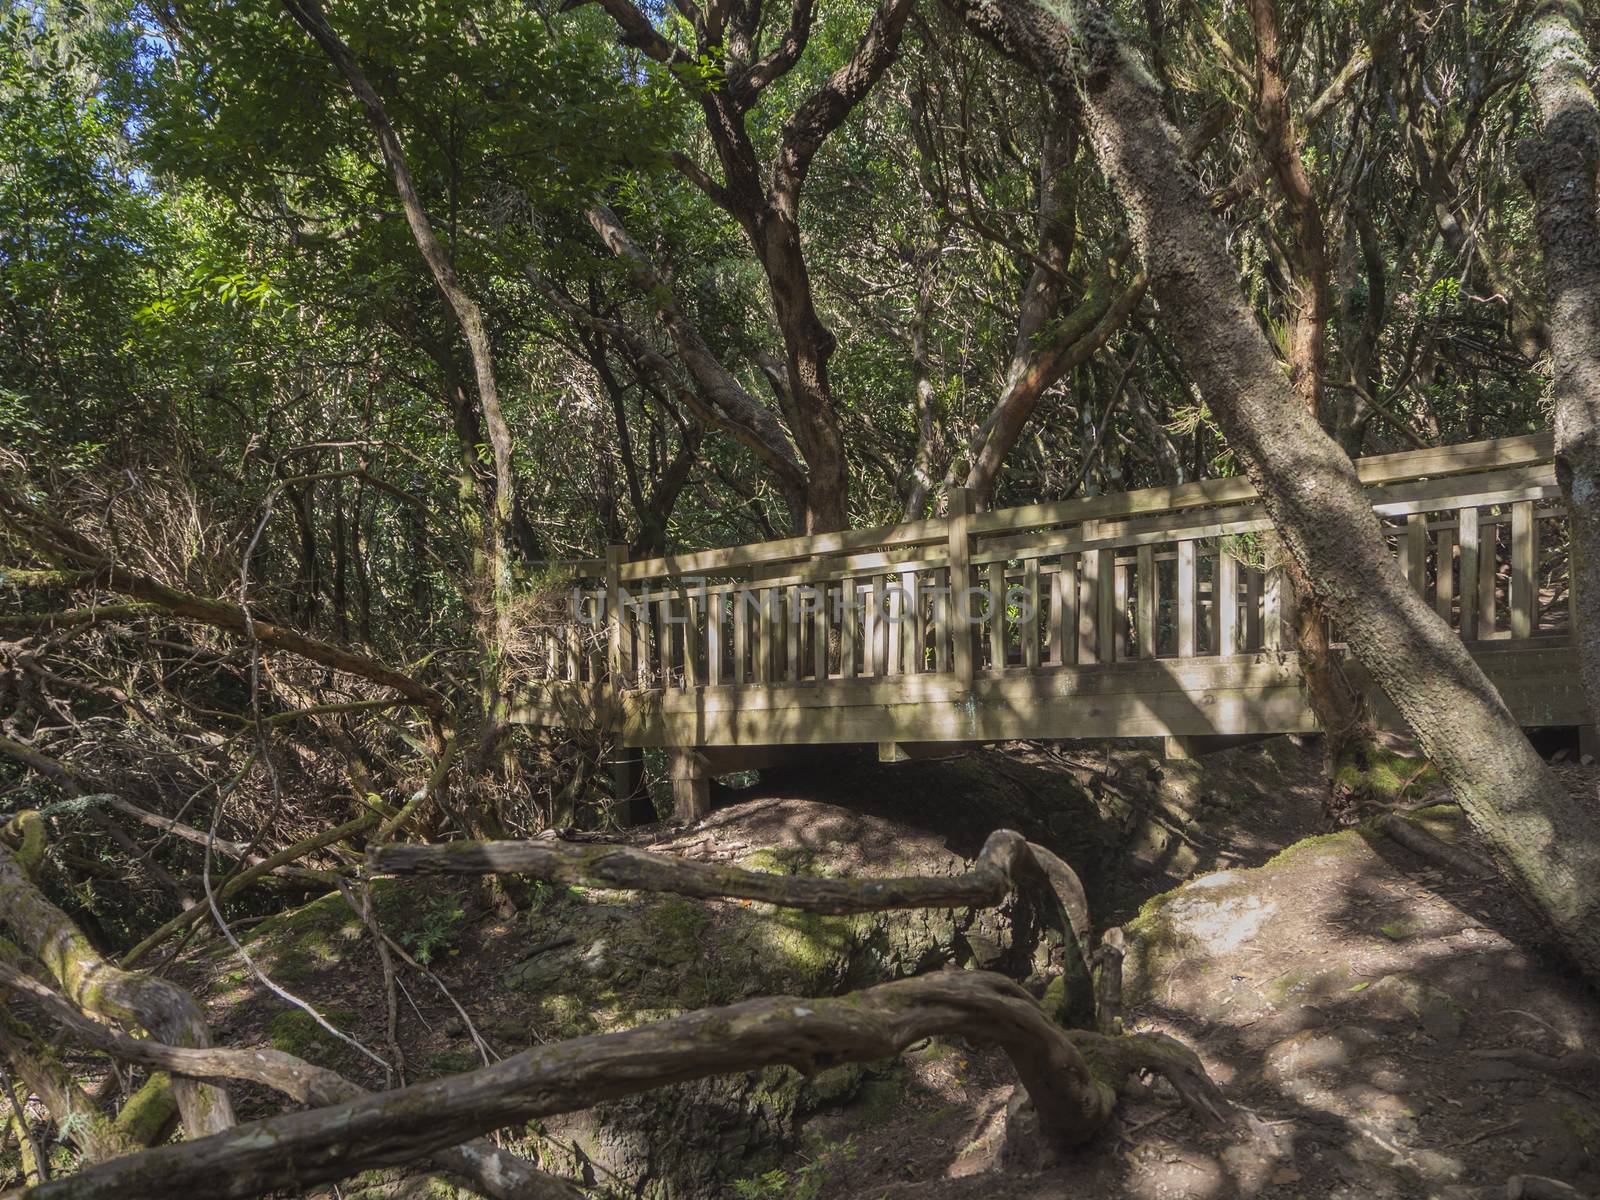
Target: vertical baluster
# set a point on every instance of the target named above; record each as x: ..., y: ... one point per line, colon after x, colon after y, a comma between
x: 894, y: 616
x: 1416, y: 552
x: 1227, y: 589
x: 716, y: 610
x: 1252, y: 608
x: 1064, y: 612
x: 665, y: 639
x: 1468, y: 528
x: 1089, y: 602
x: 793, y: 634
x: 1119, y: 610
x: 997, y: 616
x: 1279, y: 632
x: 618, y: 651
x: 741, y: 634
x: 1214, y: 613
x: 1188, y: 599
x: 943, y: 605
x: 1028, y: 625
x: 871, y: 627
x: 1444, y: 577
x: 916, y: 630
x: 1488, y: 560
x: 771, y: 617
x: 1107, y: 620
x: 552, y: 655
x: 1145, y: 581
x: 850, y: 599
x: 574, y: 643
x: 819, y: 632
x: 691, y: 641
x: 959, y: 609
x: 595, y: 634
x: 1524, y: 560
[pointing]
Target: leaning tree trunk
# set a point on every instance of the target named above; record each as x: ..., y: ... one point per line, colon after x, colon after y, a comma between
x: 1547, y: 843
x: 1559, y: 167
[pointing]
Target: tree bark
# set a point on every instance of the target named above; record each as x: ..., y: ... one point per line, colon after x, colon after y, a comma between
x: 1559, y: 167
x: 1071, y: 1078
x: 1546, y: 842
x: 492, y: 1171
x: 97, y: 986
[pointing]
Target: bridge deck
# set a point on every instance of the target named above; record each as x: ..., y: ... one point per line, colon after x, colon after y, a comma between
x: 1159, y: 612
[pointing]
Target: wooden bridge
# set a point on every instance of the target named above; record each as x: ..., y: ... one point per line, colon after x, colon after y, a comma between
x: 1152, y: 613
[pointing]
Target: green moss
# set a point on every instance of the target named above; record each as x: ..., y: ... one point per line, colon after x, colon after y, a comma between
x: 1387, y: 776
x: 294, y: 1032
x: 452, y: 1062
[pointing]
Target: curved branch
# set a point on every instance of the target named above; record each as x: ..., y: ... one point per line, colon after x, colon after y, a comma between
x: 97, y: 986
x: 495, y: 1172
x: 59, y: 541
x: 1072, y: 1095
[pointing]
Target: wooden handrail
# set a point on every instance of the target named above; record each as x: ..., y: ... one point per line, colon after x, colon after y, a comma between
x: 1096, y: 580
x: 1376, y: 470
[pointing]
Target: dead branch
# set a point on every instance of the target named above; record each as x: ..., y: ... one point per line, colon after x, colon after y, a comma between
x: 98, y: 986
x: 493, y: 1171
x: 100, y: 568
x: 1071, y: 1079
x: 628, y: 869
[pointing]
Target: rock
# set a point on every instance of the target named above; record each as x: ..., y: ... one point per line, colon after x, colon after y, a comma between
x: 1314, y: 1052
x: 1399, y: 998
x: 634, y: 958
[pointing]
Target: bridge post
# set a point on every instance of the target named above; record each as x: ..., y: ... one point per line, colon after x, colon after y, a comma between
x: 1278, y: 628
x: 691, y: 783
x: 962, y: 628
x: 627, y: 762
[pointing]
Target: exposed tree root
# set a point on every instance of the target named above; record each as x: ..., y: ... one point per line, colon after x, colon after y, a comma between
x: 1072, y: 1081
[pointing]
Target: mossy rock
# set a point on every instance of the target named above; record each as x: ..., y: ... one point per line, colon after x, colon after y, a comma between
x: 636, y: 958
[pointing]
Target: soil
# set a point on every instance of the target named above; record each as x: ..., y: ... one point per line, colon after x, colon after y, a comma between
x: 1385, y: 1027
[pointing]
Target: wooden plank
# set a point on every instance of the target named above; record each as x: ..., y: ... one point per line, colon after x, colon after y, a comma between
x: 741, y: 635
x: 1122, y: 573
x: 1146, y: 583
x: 1444, y: 576
x: 793, y: 667
x: 619, y: 653
x: 666, y: 658
x: 1378, y: 469
x: 1414, y: 555
x: 1227, y: 603
x: 959, y: 614
x: 716, y: 614
x: 1064, y: 611
x: 1028, y: 626
x: 785, y: 549
x: 916, y: 625
x: 942, y: 606
x: 691, y: 642
x: 1088, y: 608
x: 996, y: 617
x: 1105, y: 607
x: 1188, y: 599
x: 1488, y: 555
x: 1524, y: 559
x: 1252, y: 609
x: 819, y: 633
x: 1467, y: 529
x: 894, y: 616
x: 849, y: 630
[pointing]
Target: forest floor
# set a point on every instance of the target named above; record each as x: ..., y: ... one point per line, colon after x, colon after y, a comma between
x: 1393, y: 1029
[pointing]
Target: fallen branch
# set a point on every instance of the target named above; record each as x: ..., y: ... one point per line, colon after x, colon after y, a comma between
x: 1003, y: 860
x: 100, y: 987
x: 1071, y: 1079
x: 493, y: 1171
x: 99, y: 568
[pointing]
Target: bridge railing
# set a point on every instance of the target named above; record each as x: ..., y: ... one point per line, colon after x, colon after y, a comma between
x: 1182, y: 572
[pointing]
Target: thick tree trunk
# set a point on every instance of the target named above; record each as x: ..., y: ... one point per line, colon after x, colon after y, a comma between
x: 1559, y: 166
x: 1547, y: 842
